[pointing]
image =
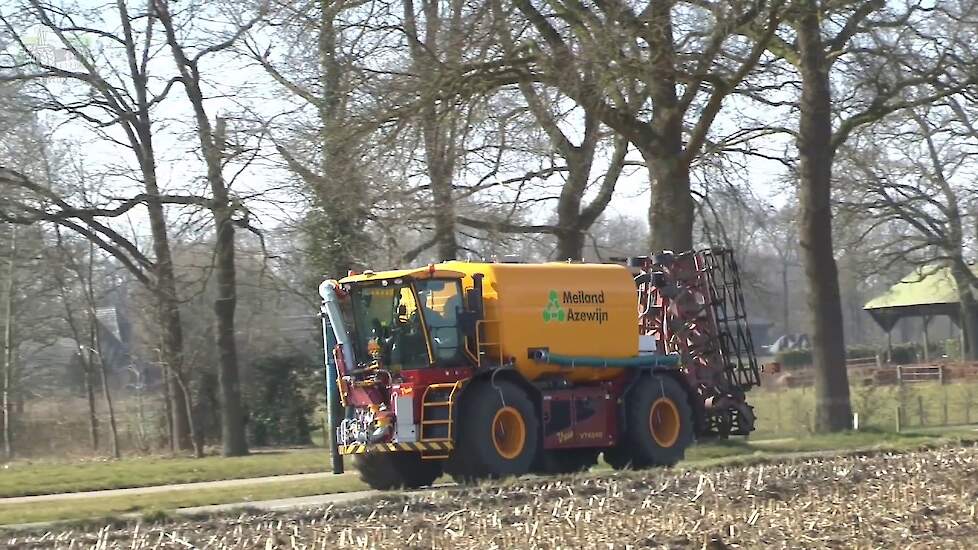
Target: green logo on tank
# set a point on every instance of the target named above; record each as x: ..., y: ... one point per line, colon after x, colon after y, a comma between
x: 554, y: 311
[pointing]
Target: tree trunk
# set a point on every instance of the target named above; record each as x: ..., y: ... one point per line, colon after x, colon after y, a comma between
x: 232, y: 414
x: 167, y: 302
x: 437, y: 126
x: 113, y: 430
x: 336, y: 230
x: 570, y: 234
x: 106, y: 394
x: 212, y: 145
x: 164, y: 289
x: 833, y: 411
x: 90, y: 395
x: 672, y: 210
x: 785, y: 298
x: 570, y: 244
x: 443, y: 208
x: 8, y: 347
x: 963, y: 279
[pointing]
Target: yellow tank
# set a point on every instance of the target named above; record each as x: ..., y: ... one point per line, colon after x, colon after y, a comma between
x: 571, y: 309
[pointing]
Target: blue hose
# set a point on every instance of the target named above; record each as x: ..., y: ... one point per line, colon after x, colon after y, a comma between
x: 642, y: 361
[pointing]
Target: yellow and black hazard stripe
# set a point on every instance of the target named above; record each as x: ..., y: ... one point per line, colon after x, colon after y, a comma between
x: 420, y: 446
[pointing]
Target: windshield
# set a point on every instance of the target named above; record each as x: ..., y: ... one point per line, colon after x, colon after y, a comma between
x: 388, y: 327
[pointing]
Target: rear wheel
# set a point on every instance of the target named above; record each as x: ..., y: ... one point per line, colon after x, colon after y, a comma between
x: 498, y: 433
x: 658, y: 425
x: 566, y: 461
x: 385, y: 471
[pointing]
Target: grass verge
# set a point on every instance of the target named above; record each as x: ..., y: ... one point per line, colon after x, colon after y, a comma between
x: 706, y: 455
x: 24, y: 479
x: 158, y: 503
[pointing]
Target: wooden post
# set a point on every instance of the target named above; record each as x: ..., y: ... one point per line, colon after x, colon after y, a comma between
x: 920, y: 409
x: 926, y: 319
x: 889, y: 345
x: 899, y: 375
x: 899, y: 417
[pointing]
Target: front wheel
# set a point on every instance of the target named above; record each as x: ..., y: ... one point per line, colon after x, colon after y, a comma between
x: 386, y: 471
x: 498, y: 433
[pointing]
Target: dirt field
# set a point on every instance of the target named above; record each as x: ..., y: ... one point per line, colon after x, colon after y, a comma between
x: 924, y: 499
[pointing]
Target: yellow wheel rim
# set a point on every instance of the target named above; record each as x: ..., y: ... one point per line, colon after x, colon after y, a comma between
x: 664, y: 422
x: 508, y: 433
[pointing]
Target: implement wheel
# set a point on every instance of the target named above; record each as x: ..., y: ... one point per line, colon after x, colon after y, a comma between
x: 658, y: 425
x: 386, y: 471
x: 498, y: 433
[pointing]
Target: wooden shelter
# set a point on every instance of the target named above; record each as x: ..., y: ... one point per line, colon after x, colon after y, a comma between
x: 926, y: 292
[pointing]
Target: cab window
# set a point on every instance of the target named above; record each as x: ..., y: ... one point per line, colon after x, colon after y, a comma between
x: 389, y: 327
x: 441, y: 301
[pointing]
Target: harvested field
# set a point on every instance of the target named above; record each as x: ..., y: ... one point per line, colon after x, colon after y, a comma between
x: 924, y: 499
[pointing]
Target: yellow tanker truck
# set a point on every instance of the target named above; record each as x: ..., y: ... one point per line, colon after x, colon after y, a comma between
x: 484, y: 370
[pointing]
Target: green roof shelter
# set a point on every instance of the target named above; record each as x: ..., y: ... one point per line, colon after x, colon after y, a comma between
x: 926, y: 292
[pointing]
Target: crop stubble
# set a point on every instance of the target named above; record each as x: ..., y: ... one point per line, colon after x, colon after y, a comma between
x: 924, y: 499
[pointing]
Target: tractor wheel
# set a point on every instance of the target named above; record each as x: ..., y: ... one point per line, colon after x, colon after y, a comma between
x: 566, y: 461
x: 618, y: 457
x: 498, y: 433
x: 386, y: 471
x: 658, y: 425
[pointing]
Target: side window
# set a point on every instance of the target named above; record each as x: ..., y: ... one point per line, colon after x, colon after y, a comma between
x: 441, y: 301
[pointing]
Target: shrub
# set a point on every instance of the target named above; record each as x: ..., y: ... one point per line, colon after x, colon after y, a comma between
x: 904, y: 354
x: 861, y: 352
x: 794, y: 358
x: 279, y: 401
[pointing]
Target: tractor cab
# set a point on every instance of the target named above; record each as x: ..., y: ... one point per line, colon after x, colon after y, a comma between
x: 401, y: 339
x: 406, y: 320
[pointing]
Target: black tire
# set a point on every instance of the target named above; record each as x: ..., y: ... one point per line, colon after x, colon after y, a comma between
x: 618, y: 457
x: 658, y: 425
x: 386, y: 471
x: 566, y: 461
x: 481, y: 454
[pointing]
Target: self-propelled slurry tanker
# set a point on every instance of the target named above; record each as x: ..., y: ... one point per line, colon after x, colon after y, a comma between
x: 494, y: 369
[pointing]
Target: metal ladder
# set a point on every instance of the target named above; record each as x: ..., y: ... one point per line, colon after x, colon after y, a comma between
x: 437, y: 417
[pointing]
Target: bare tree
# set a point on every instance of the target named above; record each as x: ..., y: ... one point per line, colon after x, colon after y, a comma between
x: 69, y: 302
x: 8, y: 343
x: 881, y: 64
x: 327, y: 154
x: 918, y: 192
x: 212, y: 136
x: 594, y: 54
x: 123, y: 99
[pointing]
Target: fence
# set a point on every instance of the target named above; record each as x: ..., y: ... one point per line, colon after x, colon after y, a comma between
x: 60, y: 427
x: 887, y: 399
x: 872, y: 374
x: 909, y: 374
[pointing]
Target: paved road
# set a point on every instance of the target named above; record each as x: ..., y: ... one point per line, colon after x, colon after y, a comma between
x: 280, y: 504
x: 298, y: 503
x: 167, y: 488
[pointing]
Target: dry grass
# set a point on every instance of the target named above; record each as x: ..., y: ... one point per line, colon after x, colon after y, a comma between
x: 42, y: 478
x: 922, y: 499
